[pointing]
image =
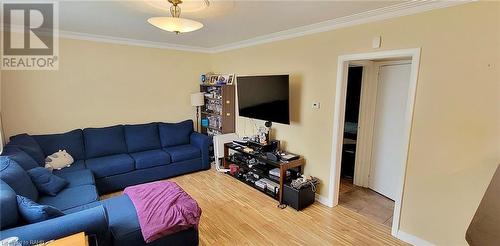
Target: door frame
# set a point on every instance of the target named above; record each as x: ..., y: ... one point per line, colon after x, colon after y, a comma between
x: 339, y: 114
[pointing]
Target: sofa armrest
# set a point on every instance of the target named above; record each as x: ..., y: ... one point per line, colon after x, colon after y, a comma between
x: 202, y: 142
x: 91, y: 221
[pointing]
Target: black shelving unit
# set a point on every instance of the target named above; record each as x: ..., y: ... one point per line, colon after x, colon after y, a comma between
x: 267, y: 192
x: 262, y: 169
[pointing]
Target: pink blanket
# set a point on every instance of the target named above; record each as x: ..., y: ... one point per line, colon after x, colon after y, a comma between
x: 163, y: 208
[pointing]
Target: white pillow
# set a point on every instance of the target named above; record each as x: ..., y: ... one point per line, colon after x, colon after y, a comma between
x: 58, y: 160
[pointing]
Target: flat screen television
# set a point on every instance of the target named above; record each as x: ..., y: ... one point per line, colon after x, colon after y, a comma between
x: 264, y: 98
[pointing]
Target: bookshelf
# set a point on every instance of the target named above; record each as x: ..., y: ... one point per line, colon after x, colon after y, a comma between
x: 217, y: 115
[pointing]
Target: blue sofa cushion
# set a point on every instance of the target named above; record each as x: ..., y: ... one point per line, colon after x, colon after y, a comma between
x: 12, y: 174
x: 8, y: 206
x: 71, y: 141
x: 183, y: 152
x: 76, y: 166
x: 172, y: 134
x: 78, y: 177
x: 123, y: 220
x: 33, y: 212
x: 46, y: 182
x: 71, y: 197
x: 28, y: 144
x: 150, y: 158
x: 104, y: 141
x: 20, y: 157
x: 142, y: 137
x: 110, y: 165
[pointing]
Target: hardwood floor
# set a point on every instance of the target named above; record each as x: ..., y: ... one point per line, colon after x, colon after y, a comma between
x: 366, y: 202
x: 235, y: 214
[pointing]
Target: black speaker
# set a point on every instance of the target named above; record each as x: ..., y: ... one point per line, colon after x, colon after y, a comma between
x: 298, y: 198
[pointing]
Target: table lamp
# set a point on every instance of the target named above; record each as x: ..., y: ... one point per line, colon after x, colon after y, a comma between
x: 197, y: 100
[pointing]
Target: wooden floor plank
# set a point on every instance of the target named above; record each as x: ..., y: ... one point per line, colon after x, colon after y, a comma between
x: 235, y: 214
x: 366, y: 202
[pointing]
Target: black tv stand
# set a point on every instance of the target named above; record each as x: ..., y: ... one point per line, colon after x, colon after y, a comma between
x: 284, y: 166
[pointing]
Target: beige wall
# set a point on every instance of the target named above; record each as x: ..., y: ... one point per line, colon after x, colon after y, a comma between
x: 455, y: 136
x: 455, y: 133
x: 100, y: 84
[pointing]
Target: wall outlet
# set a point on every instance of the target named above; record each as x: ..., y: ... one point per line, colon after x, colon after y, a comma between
x: 316, y: 105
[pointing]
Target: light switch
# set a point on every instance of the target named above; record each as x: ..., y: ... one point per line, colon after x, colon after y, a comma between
x: 316, y: 105
x: 376, y: 42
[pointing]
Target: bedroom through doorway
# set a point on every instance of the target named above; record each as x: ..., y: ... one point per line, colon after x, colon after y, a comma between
x: 374, y: 100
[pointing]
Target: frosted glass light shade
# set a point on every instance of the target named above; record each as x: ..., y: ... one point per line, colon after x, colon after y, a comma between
x: 197, y: 99
x: 175, y: 24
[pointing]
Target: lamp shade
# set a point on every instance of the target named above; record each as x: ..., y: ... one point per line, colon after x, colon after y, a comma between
x: 197, y: 99
x: 175, y: 24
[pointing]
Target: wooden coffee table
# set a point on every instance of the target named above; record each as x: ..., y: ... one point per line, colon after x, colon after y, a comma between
x: 79, y: 239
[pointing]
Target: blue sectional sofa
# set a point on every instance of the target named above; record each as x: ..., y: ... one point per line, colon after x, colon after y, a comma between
x: 106, y: 159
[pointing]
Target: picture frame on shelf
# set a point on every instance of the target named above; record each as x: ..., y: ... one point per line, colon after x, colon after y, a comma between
x: 213, y: 79
x: 230, y: 80
x: 206, y: 78
x: 222, y: 79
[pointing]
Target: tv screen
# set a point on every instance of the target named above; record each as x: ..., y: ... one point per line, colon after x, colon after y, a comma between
x: 264, y: 98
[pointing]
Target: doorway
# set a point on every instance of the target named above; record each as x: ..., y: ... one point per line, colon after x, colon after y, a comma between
x: 391, y: 81
x: 370, y: 129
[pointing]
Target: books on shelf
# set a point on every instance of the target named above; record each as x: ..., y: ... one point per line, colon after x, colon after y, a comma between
x: 218, y: 111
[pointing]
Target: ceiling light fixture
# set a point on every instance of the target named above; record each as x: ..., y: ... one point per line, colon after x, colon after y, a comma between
x: 175, y: 23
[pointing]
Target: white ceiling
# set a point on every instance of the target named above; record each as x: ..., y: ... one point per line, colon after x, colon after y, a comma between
x: 226, y: 22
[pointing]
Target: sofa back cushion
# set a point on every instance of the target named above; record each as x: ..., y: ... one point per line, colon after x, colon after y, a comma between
x: 28, y: 144
x: 173, y: 134
x: 104, y: 141
x: 142, y: 137
x: 12, y: 174
x: 8, y: 205
x: 71, y: 141
x: 20, y: 157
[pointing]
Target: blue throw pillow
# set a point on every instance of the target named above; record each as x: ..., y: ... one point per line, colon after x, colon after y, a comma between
x: 46, y: 182
x: 29, y: 145
x: 33, y: 212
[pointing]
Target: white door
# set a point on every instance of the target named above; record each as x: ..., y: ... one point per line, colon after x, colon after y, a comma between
x: 388, y: 145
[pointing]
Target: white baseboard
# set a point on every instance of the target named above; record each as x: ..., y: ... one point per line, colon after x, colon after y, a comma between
x: 401, y: 235
x: 323, y: 200
x: 412, y: 239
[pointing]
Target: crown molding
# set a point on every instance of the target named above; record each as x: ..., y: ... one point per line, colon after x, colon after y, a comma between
x: 133, y: 42
x: 115, y: 40
x: 398, y: 10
